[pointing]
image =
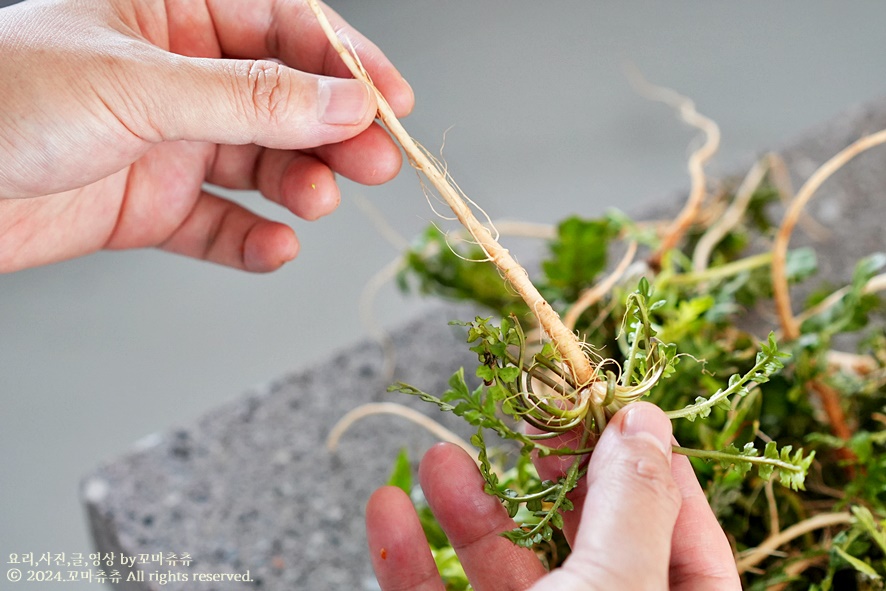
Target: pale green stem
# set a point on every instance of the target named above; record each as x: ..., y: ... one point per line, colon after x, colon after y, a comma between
x: 727, y: 457
x: 722, y: 271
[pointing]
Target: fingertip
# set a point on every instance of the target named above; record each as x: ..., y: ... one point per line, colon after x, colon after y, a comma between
x: 388, y: 527
x: 345, y: 101
x: 268, y: 246
x: 381, y: 502
x: 645, y: 420
x: 399, y: 552
x: 632, y: 499
x: 440, y: 450
x: 439, y: 460
x: 449, y: 478
x: 473, y: 520
x: 308, y: 189
x: 387, y: 158
x: 230, y: 101
x: 402, y: 98
x: 371, y: 158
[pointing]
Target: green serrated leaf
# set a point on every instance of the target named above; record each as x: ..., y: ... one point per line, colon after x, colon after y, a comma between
x: 509, y: 374
x: 485, y: 373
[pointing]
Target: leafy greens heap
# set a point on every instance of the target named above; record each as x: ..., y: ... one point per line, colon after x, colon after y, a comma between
x: 683, y: 339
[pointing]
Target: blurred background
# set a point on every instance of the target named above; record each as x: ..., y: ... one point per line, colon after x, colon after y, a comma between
x: 99, y: 352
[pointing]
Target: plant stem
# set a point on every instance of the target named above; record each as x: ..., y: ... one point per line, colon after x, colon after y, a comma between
x: 568, y: 483
x: 538, y: 495
x: 544, y: 361
x: 592, y: 295
x: 830, y: 402
x: 693, y: 409
x: 629, y: 363
x: 391, y: 408
x: 642, y: 315
x: 790, y: 328
x: 874, y: 284
x: 540, y: 376
x: 722, y: 271
x: 709, y: 454
x: 544, y: 451
x: 697, y: 160
x: 565, y: 340
x: 730, y: 218
x: 770, y: 544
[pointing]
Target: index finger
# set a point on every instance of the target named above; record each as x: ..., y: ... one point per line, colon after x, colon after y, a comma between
x: 289, y: 31
x: 474, y: 520
x: 398, y: 549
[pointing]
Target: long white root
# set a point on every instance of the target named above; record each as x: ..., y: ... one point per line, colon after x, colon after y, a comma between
x: 391, y: 408
x: 790, y: 327
x: 697, y: 160
x: 755, y: 556
x: 565, y: 340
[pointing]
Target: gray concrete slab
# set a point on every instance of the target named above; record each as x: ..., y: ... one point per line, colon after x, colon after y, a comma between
x: 248, y: 487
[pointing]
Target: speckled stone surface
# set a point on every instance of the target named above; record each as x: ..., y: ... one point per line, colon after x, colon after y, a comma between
x: 250, y: 487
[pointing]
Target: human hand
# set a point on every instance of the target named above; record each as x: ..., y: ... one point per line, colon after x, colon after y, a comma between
x: 114, y: 113
x: 641, y: 522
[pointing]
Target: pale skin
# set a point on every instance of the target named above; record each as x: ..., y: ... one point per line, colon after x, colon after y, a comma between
x: 641, y: 522
x: 113, y: 115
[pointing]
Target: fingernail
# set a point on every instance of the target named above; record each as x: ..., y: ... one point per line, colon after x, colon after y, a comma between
x: 648, y: 422
x: 342, y: 101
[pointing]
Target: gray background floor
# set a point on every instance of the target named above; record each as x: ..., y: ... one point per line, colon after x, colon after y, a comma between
x: 99, y: 352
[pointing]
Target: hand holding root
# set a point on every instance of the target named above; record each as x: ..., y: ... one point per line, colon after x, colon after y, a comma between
x: 638, y: 506
x: 565, y: 340
x: 115, y: 113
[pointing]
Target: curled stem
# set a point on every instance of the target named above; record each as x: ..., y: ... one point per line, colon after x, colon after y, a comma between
x: 697, y: 160
x: 790, y: 328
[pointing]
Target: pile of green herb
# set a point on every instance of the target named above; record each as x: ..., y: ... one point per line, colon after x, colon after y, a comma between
x: 677, y: 330
x: 749, y: 409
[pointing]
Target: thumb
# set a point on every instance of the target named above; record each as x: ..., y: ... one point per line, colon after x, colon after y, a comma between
x: 258, y: 102
x: 624, y: 538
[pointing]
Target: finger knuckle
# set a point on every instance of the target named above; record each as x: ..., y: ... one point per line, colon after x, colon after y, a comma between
x: 268, y: 90
x: 648, y: 470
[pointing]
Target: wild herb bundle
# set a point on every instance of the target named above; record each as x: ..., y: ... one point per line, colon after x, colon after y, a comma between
x: 678, y: 319
x: 748, y: 411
